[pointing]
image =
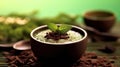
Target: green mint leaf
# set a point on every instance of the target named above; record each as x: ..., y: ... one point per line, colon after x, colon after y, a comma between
x: 53, y: 27
x: 63, y: 28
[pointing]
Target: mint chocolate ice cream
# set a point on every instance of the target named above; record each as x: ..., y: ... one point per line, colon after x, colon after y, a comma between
x: 70, y: 36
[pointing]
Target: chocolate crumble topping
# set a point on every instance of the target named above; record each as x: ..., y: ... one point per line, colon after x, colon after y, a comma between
x: 56, y: 36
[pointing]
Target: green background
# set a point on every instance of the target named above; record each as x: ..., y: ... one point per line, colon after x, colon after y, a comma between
x: 51, y: 8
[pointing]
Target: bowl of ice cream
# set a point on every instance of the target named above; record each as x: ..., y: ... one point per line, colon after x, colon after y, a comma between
x: 102, y: 21
x: 58, y: 50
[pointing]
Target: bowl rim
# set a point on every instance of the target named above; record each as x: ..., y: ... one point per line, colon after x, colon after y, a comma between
x: 111, y: 14
x: 37, y: 28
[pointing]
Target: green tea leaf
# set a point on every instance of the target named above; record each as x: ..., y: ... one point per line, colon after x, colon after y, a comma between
x: 64, y: 28
x: 53, y: 27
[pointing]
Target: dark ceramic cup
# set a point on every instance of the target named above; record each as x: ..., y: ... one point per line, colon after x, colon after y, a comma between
x: 103, y: 21
x: 58, y: 55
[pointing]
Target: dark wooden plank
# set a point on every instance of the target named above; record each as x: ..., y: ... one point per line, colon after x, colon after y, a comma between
x: 93, y: 47
x: 3, y: 62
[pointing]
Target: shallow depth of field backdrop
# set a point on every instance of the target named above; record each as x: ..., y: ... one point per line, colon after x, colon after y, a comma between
x: 51, y: 8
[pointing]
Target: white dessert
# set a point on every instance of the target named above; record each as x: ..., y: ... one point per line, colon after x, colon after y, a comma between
x: 73, y: 36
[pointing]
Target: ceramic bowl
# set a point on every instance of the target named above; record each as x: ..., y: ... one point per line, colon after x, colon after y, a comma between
x: 103, y: 21
x: 58, y: 55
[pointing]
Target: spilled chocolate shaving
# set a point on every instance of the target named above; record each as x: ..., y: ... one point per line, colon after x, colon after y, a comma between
x: 92, y: 60
x: 108, y: 49
x: 23, y: 59
x: 27, y: 59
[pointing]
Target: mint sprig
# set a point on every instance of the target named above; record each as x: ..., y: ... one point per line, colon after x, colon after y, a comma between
x: 53, y: 27
x: 61, y: 29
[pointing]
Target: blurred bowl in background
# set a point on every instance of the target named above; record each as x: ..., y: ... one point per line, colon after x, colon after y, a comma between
x: 103, y: 21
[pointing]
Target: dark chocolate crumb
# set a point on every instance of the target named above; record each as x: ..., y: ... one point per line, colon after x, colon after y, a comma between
x: 27, y: 59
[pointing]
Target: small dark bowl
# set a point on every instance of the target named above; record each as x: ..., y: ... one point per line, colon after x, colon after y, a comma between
x: 103, y: 21
x: 61, y: 54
